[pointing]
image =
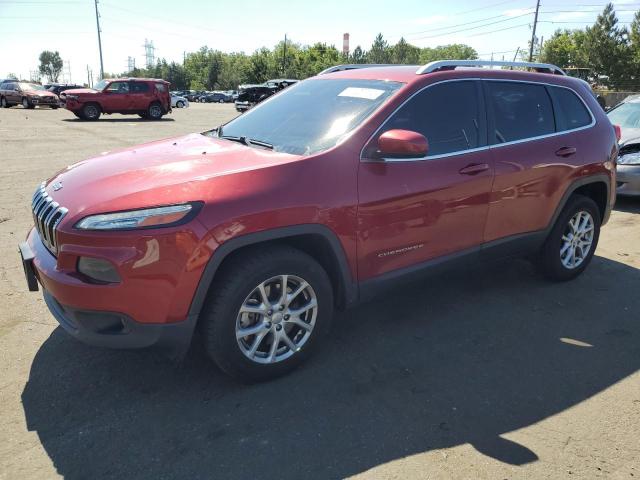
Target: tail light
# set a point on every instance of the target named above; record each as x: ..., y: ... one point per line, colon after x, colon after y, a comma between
x: 616, y: 128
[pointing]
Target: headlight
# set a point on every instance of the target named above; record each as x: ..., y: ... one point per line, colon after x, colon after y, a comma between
x: 629, y: 159
x: 147, y: 218
x: 72, y: 97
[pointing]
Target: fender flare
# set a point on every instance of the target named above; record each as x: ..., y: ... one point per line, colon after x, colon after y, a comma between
x: 349, y: 287
x: 581, y: 182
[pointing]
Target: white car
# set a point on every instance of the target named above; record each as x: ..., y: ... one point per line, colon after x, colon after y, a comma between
x: 179, y: 102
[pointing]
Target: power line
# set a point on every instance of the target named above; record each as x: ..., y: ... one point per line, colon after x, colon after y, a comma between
x: 474, y: 28
x: 470, y: 23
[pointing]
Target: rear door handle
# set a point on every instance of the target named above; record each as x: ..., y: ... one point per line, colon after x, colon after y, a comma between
x: 566, y: 151
x: 474, y: 169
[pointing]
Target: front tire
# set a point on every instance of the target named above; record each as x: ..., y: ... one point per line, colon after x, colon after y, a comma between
x: 180, y: 104
x: 27, y: 104
x: 91, y: 111
x: 572, y: 242
x: 253, y: 328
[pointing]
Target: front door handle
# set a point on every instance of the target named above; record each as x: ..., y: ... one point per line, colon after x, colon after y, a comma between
x: 566, y: 151
x: 474, y: 169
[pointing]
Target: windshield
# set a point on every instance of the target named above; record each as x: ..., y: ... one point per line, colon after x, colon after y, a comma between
x: 100, y: 85
x: 626, y: 115
x: 31, y: 86
x: 311, y: 116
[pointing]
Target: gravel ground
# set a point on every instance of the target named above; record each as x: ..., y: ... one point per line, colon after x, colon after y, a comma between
x: 490, y: 373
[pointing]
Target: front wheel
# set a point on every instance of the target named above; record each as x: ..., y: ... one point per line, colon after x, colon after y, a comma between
x: 221, y: 101
x: 91, y: 112
x: 180, y: 104
x: 573, y: 240
x: 267, y: 311
x: 26, y: 104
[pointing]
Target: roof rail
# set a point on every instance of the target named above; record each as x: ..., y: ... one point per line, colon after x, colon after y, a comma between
x: 354, y: 66
x: 452, y: 64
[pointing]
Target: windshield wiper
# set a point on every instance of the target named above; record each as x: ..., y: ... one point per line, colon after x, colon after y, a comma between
x: 249, y: 142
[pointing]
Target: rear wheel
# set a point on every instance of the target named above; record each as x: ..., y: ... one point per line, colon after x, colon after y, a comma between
x: 3, y: 103
x: 91, y: 111
x: 221, y: 100
x: 266, y: 312
x: 155, y: 111
x: 180, y: 104
x: 573, y: 240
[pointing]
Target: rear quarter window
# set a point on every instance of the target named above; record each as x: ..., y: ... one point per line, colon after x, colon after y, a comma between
x: 571, y: 113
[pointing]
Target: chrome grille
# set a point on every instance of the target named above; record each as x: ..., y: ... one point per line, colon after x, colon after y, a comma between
x: 47, y: 214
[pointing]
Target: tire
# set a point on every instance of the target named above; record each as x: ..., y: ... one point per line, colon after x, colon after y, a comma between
x: 26, y: 104
x: 91, y: 111
x: 143, y: 115
x: 54, y: 107
x: 221, y: 101
x: 154, y: 111
x: 180, y: 104
x: 3, y: 103
x: 563, y: 256
x: 237, y: 285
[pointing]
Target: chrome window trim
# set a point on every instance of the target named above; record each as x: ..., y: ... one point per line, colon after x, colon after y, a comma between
x: 477, y: 149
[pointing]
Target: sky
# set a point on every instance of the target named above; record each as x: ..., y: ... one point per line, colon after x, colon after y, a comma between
x: 69, y: 26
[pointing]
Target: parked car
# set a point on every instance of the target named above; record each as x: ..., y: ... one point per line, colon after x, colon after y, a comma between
x: 147, y: 97
x: 250, y: 95
x: 627, y: 116
x: 179, y: 101
x: 59, y: 88
x: 193, y: 95
x: 29, y: 95
x: 345, y: 184
x: 215, y: 97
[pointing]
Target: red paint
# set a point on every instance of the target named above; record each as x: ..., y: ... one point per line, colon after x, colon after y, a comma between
x: 386, y: 215
x: 402, y: 143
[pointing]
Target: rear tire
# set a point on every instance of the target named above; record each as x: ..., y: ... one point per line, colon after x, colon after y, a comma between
x: 570, y: 246
x: 91, y: 112
x: 180, y: 104
x: 155, y: 111
x: 247, y: 293
x: 3, y: 103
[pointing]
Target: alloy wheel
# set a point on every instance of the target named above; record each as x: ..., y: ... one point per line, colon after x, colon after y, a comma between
x: 577, y: 240
x: 25, y: 103
x: 155, y: 111
x: 276, y: 319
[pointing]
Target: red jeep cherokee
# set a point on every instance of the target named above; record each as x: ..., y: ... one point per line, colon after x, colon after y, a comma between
x: 146, y: 97
x: 318, y: 197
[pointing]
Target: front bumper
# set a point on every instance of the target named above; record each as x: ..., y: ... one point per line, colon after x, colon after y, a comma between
x: 628, y: 180
x: 116, y: 330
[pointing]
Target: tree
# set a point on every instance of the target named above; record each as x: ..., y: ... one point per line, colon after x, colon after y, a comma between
x: 50, y: 65
x: 565, y: 49
x: 12, y: 76
x: 380, y: 51
x: 358, y: 55
x: 607, y: 50
x: 455, y: 51
x: 405, y: 53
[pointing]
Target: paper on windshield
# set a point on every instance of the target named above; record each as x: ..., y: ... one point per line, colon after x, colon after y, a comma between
x: 358, y: 92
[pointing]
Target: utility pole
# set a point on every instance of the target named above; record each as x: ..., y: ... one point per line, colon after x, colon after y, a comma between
x: 533, y: 34
x: 516, y: 55
x: 284, y: 56
x: 99, y: 40
x: 88, y: 77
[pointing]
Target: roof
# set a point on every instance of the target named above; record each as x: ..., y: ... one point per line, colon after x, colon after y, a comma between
x: 136, y: 78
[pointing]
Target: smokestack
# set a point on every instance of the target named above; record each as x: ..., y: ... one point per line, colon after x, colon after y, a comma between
x: 345, y: 44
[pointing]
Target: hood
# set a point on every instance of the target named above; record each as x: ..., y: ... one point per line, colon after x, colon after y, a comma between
x: 159, y: 173
x: 629, y: 136
x: 80, y: 91
x: 42, y: 93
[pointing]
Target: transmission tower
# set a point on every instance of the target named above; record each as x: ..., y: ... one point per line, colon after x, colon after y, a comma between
x: 149, y: 53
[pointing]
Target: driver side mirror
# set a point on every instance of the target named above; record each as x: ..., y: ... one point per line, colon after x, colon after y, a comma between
x: 402, y: 144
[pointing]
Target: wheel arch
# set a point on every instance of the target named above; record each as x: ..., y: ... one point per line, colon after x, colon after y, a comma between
x: 597, y: 187
x: 314, y: 239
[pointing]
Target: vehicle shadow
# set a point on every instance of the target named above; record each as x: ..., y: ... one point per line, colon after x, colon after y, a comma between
x: 461, y: 358
x: 131, y: 119
x: 628, y: 204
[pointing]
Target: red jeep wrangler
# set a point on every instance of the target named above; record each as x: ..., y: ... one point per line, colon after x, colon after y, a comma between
x: 146, y: 97
x: 317, y: 198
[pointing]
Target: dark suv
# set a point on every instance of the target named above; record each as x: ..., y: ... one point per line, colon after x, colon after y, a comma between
x: 346, y: 183
x: 251, y: 95
x: 147, y: 97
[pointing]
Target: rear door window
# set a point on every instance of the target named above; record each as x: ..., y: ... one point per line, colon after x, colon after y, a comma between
x: 571, y: 113
x: 448, y: 114
x: 139, y: 87
x: 520, y: 111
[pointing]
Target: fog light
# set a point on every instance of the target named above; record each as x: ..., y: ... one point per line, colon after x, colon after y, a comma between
x: 98, y: 269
